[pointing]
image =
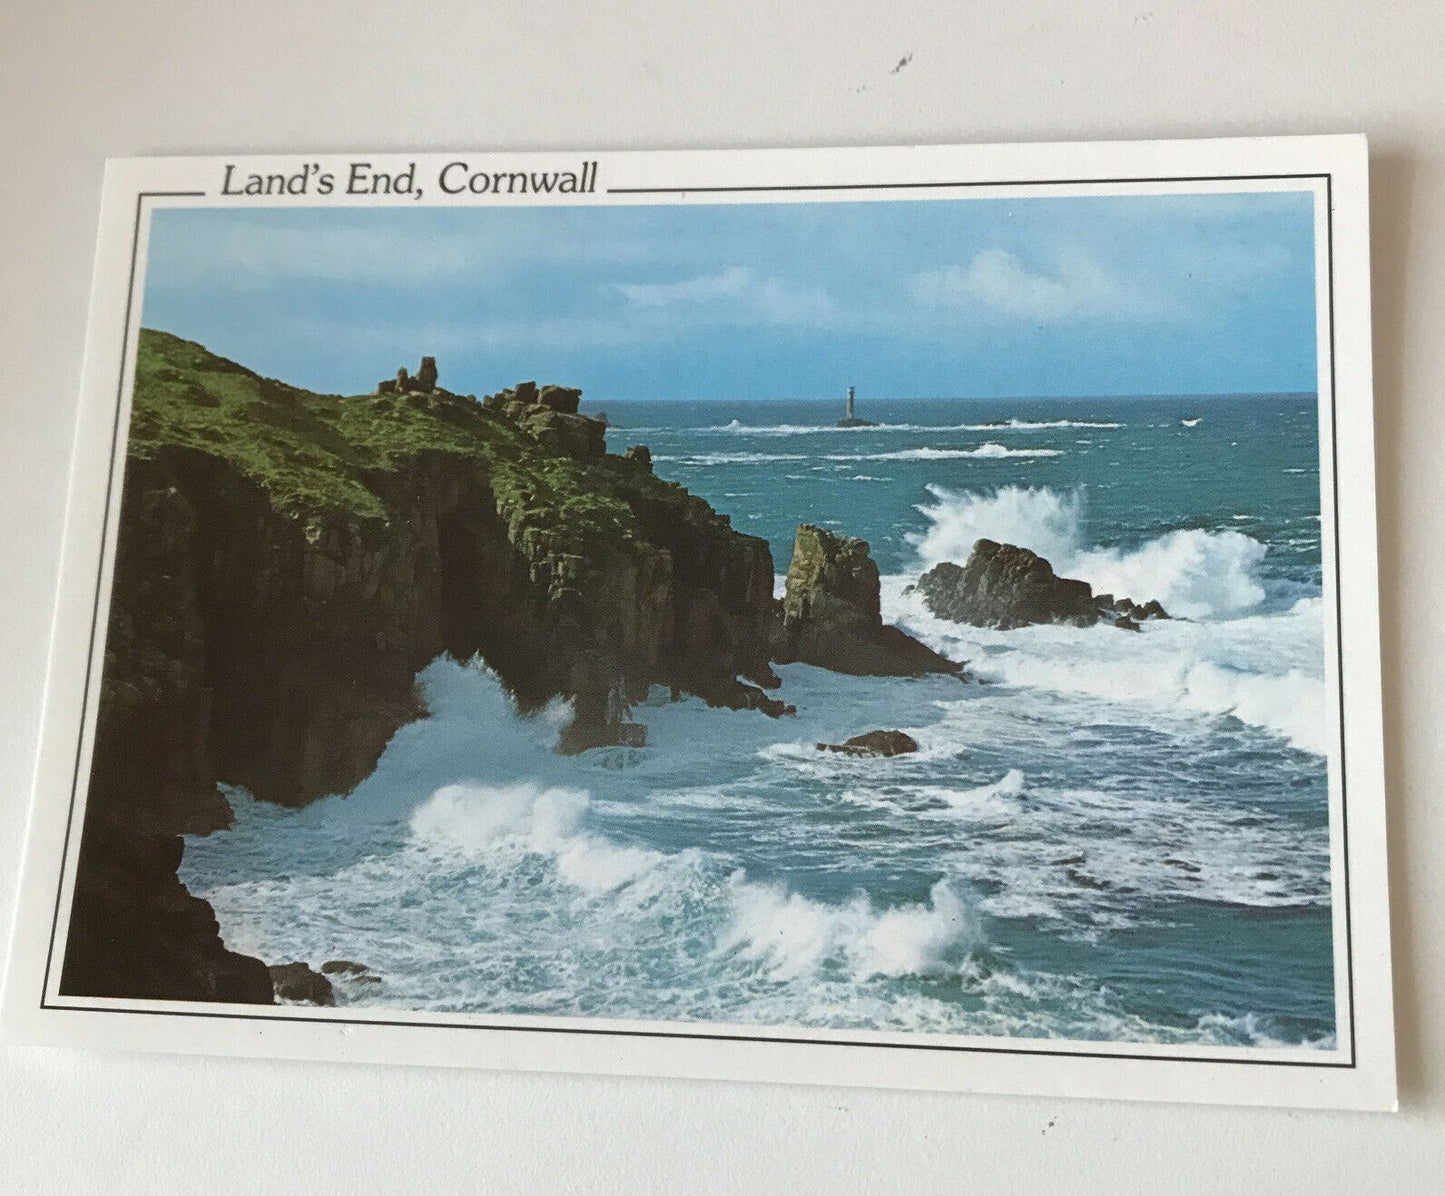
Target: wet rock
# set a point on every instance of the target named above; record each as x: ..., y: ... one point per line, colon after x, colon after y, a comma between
x: 874, y: 743
x: 832, y: 617
x: 297, y: 982
x: 1004, y: 586
x: 343, y: 967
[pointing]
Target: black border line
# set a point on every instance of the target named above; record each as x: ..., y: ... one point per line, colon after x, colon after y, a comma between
x: 765, y: 1039
x: 1195, y: 178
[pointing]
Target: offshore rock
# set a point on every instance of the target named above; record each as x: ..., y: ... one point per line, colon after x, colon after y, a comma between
x: 874, y: 743
x: 1005, y: 587
x: 297, y: 982
x: 832, y: 617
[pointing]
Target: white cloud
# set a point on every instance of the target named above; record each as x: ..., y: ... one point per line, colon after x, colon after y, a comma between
x: 1078, y: 289
x: 700, y: 289
x: 734, y: 295
x: 245, y: 253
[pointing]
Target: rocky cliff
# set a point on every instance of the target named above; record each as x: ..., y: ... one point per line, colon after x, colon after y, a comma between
x: 832, y: 613
x: 287, y: 562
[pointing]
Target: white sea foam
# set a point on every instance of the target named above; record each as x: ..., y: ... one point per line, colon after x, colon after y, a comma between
x: 790, y: 935
x: 1008, y: 425
x: 981, y: 452
x: 1263, y: 669
x: 1194, y: 573
x: 1011, y: 784
x: 482, y: 819
x: 729, y: 458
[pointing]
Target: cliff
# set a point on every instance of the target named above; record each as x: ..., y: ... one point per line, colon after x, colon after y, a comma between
x: 287, y: 561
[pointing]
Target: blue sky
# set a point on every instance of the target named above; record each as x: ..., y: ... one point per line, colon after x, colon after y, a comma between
x: 990, y: 297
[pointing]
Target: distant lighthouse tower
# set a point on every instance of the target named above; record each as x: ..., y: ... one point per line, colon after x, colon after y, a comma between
x: 850, y: 418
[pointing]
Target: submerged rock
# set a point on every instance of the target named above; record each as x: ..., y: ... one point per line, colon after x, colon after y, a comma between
x: 343, y: 967
x: 874, y: 743
x: 349, y: 969
x: 297, y: 982
x: 832, y: 615
x: 1005, y: 586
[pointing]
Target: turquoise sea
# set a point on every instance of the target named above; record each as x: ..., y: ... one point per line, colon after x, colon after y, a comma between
x: 1108, y: 836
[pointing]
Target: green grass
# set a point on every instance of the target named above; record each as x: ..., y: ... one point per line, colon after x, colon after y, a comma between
x: 330, y: 456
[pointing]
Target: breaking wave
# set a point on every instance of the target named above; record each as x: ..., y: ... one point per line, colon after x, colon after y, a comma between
x: 1194, y: 573
x: 983, y: 451
x: 1008, y: 425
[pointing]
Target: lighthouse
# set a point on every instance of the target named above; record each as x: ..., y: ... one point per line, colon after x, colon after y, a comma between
x: 850, y: 418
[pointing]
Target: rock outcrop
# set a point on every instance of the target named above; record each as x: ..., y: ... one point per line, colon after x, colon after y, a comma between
x: 136, y: 931
x: 425, y: 381
x: 298, y: 983
x: 1005, y: 586
x: 874, y: 743
x: 832, y: 616
x: 286, y: 564
x: 549, y: 415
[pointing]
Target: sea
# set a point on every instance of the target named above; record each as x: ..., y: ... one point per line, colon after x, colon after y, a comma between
x: 1105, y: 836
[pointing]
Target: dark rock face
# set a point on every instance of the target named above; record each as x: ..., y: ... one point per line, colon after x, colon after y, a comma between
x: 1004, y: 586
x: 426, y: 376
x: 562, y: 399
x: 641, y: 454
x: 831, y: 614
x: 137, y: 932
x: 297, y: 982
x: 874, y: 743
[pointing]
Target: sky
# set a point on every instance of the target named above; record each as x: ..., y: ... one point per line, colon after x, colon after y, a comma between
x: 990, y: 297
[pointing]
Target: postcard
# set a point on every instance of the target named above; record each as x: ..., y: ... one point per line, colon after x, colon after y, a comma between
x: 898, y: 617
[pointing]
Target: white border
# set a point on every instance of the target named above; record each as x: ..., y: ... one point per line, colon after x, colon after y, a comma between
x: 1358, y: 1073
